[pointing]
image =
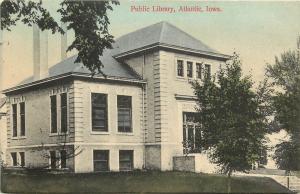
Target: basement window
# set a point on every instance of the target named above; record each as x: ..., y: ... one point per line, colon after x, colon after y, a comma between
x: 63, y: 159
x: 53, y: 160
x: 22, y: 158
x: 101, y: 160
x: 14, y: 159
x: 126, y: 160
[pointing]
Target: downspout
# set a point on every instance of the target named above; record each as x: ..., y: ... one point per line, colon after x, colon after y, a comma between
x: 143, y: 112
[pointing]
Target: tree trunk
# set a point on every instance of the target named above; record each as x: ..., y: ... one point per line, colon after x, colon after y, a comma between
x: 229, y: 182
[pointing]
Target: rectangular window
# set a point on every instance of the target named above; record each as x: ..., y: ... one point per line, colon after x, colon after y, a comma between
x: 63, y: 159
x: 52, y: 159
x: 126, y: 160
x: 14, y: 158
x: 101, y: 160
x: 99, y: 112
x: 22, y: 118
x: 191, y: 133
x: 64, y: 112
x: 22, y: 158
x: 189, y: 69
x: 199, y: 70
x: 207, y: 71
x: 53, y: 104
x: 124, y: 113
x: 180, y: 68
x: 15, y: 120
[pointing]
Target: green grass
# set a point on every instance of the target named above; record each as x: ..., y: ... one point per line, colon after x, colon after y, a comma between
x: 136, y: 182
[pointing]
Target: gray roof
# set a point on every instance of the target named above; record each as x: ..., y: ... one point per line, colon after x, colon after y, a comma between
x: 163, y: 33
x: 112, y: 68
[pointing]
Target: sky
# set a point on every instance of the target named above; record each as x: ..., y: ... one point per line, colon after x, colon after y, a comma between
x: 257, y: 31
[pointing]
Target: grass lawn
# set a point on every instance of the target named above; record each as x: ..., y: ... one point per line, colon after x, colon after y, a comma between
x: 136, y: 182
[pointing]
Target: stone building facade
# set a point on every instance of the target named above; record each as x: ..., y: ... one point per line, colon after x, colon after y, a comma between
x: 136, y: 117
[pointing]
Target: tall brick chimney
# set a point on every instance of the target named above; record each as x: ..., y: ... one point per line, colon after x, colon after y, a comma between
x: 63, y: 42
x: 40, y: 53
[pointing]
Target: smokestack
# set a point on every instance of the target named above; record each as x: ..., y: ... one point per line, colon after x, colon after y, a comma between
x: 40, y: 53
x: 36, y: 52
x: 64, y: 41
x: 44, y: 55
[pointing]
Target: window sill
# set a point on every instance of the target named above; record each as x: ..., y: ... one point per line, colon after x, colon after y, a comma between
x: 18, y: 137
x: 58, y: 134
x: 100, y: 133
x: 125, y: 133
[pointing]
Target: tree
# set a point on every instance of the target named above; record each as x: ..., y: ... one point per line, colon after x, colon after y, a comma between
x: 232, y: 123
x: 285, y: 76
x: 88, y: 19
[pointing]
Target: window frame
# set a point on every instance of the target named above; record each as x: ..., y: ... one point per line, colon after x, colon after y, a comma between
x: 63, y: 159
x: 130, y: 115
x: 199, y: 70
x: 50, y: 159
x: 189, y: 70
x: 185, y: 129
x: 22, y: 114
x: 177, y: 69
x: 207, y: 73
x: 106, y: 161
x: 51, y: 116
x: 64, y: 108
x: 14, y: 159
x: 22, y: 159
x: 106, y: 129
x: 131, y: 161
x: 14, y: 114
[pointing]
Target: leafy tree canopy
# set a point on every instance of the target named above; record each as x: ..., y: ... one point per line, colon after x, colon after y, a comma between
x: 285, y: 73
x: 88, y: 19
x: 233, y: 124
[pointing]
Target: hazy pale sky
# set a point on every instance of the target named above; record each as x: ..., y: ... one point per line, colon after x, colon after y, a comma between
x: 258, y: 31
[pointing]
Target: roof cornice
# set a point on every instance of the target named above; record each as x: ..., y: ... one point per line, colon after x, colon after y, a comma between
x: 69, y: 75
x: 172, y: 47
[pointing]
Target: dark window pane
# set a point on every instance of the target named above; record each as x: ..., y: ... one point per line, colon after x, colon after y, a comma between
x: 99, y: 112
x: 52, y: 159
x: 124, y: 114
x: 189, y: 69
x: 191, y: 132
x: 207, y: 71
x: 64, y: 112
x: 53, y: 114
x: 22, y: 158
x: 180, y: 69
x: 14, y: 119
x: 63, y: 159
x: 126, y: 160
x: 101, y: 160
x: 22, y: 118
x: 14, y: 158
x: 199, y: 70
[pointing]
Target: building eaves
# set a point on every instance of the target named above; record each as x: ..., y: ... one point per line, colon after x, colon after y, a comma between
x: 74, y: 75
